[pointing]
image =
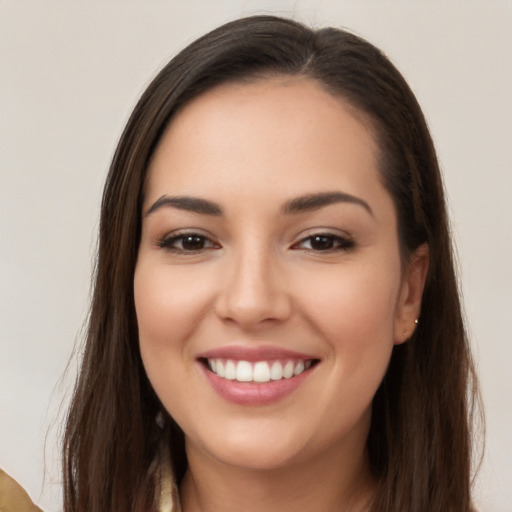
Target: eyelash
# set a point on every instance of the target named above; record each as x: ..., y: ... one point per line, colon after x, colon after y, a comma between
x: 169, y: 243
x: 336, y: 242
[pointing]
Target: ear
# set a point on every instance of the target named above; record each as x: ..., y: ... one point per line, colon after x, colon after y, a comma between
x: 409, y: 302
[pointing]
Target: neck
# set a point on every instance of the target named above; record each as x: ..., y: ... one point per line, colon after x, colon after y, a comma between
x: 322, y: 484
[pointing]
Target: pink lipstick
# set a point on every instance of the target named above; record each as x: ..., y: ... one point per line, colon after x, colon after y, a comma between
x: 255, y: 375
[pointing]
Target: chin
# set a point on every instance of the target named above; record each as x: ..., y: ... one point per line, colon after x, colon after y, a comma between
x: 245, y: 448
x: 254, y: 458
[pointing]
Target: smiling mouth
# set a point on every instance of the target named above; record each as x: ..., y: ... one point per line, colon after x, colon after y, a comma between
x: 257, y: 371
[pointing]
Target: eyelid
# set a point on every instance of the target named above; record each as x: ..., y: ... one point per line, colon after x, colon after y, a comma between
x: 344, y: 240
x: 166, y: 241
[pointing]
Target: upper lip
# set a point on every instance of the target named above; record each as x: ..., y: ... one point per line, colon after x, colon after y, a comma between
x: 252, y: 354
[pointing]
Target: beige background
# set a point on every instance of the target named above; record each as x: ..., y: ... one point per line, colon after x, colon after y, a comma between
x: 70, y: 73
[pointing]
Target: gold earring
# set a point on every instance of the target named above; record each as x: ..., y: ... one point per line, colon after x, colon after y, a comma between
x: 406, y: 332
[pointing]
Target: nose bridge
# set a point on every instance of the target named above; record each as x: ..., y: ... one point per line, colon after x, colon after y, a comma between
x: 254, y: 288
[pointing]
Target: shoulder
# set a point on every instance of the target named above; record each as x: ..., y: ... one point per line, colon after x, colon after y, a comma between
x: 13, y: 498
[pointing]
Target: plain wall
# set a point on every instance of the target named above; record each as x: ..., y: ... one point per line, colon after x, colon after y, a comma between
x: 70, y: 74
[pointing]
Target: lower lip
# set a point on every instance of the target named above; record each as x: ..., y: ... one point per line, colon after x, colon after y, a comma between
x: 254, y: 393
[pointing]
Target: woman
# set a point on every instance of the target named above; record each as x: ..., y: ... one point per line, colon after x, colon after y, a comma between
x: 275, y: 321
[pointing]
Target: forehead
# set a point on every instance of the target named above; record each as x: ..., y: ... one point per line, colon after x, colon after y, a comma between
x: 287, y: 132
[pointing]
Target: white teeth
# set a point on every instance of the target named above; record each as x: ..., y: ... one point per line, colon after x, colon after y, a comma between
x: 299, y: 368
x: 261, y: 371
x: 230, y: 370
x: 288, y: 370
x: 276, y: 372
x: 243, y: 371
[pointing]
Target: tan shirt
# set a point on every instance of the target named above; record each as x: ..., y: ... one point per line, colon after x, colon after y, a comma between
x: 13, y: 498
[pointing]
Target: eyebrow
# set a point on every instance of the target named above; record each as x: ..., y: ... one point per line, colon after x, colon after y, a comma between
x: 300, y: 204
x: 316, y: 201
x: 190, y: 204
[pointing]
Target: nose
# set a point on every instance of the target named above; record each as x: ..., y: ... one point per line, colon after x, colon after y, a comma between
x: 253, y: 291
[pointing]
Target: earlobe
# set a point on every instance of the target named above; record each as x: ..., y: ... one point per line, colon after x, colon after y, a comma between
x: 409, y: 303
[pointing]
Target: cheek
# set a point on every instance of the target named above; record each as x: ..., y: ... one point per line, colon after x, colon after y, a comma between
x: 355, y: 299
x: 354, y: 311
x: 168, y: 304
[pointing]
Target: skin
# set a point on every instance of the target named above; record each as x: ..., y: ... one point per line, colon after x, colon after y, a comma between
x: 255, y: 279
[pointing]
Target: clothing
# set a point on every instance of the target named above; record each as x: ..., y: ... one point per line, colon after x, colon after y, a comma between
x: 168, y: 493
x: 13, y: 498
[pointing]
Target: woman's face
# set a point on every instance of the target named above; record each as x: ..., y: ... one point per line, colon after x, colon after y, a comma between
x: 269, y: 288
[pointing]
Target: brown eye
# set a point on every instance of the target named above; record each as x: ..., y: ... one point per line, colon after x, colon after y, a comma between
x: 193, y: 243
x: 187, y: 243
x: 324, y: 242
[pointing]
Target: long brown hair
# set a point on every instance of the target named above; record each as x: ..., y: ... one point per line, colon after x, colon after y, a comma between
x: 419, y: 443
